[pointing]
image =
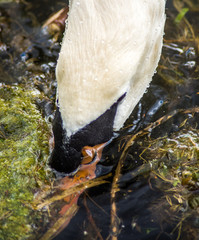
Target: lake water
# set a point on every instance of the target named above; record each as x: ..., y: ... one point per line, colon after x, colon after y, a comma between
x: 158, y: 184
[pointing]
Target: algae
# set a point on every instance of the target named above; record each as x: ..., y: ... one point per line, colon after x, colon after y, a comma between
x: 24, y: 151
x: 175, y: 172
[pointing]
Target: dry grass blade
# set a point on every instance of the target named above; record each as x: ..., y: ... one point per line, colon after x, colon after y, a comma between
x: 130, y: 141
x: 58, y: 226
x: 177, y: 5
x: 73, y: 190
x: 90, y: 217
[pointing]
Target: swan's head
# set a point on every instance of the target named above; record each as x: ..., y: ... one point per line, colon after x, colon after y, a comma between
x: 109, y: 53
x: 67, y: 154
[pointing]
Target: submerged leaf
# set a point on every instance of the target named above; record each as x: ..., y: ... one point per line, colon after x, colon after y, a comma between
x: 181, y: 15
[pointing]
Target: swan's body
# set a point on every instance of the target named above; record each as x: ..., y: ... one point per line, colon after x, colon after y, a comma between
x: 110, y: 49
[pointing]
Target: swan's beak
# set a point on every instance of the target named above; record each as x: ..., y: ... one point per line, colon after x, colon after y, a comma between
x: 70, y: 152
x: 92, y: 154
x: 91, y: 157
x: 81, y: 148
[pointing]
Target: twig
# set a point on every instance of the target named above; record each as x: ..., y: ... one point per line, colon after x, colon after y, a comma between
x: 129, y: 143
x: 71, y: 191
x: 90, y: 218
x: 176, y: 5
x: 60, y: 223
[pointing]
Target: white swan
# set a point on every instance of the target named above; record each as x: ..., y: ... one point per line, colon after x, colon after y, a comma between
x: 109, y: 54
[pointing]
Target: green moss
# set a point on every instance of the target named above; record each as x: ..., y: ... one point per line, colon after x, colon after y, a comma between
x: 24, y: 151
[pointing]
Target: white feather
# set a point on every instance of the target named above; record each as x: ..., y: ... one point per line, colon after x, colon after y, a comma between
x: 110, y: 47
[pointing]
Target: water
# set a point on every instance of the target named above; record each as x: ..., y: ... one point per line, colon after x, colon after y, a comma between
x: 157, y: 195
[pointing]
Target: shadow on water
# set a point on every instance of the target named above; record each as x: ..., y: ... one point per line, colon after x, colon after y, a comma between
x: 158, y: 180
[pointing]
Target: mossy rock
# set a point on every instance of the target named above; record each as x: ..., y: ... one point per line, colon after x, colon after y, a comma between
x: 24, y: 151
